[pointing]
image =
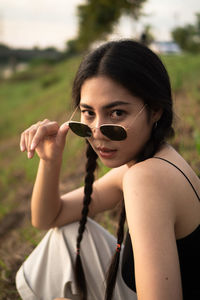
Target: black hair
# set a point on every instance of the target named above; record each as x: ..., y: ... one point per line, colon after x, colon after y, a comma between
x: 142, y: 73
x: 89, y: 179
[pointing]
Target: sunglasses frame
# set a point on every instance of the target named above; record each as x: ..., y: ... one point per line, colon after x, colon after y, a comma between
x: 103, y: 125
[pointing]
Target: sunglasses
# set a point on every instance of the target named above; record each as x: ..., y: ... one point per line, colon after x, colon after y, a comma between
x: 112, y: 131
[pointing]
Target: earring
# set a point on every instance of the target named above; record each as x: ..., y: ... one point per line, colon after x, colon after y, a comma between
x: 155, y: 125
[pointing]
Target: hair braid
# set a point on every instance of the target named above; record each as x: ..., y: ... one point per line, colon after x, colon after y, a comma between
x: 112, y: 272
x: 89, y: 179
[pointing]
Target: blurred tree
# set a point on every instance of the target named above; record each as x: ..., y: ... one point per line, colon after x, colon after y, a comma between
x: 147, y: 37
x: 3, y: 47
x: 98, y: 17
x: 188, y: 37
x: 51, y: 48
x: 198, y: 22
x: 72, y: 47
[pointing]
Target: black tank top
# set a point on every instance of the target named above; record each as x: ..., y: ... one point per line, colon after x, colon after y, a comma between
x: 189, y: 258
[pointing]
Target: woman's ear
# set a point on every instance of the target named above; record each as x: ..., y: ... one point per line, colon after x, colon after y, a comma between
x: 156, y: 115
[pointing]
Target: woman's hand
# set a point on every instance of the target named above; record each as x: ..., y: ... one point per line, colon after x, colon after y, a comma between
x: 46, y: 138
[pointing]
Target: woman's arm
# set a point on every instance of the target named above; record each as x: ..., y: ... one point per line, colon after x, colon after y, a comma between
x: 51, y: 210
x: 107, y: 193
x: 151, y: 217
x: 47, y: 139
x: 48, y: 208
x: 45, y: 201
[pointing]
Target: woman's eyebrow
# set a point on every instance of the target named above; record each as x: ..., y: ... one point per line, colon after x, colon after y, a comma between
x: 110, y: 105
x: 85, y: 106
x: 116, y: 103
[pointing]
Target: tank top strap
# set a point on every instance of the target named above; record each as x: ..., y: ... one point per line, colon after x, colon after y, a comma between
x: 181, y: 172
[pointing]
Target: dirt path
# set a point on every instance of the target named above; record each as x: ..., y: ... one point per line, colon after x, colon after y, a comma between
x: 12, y: 249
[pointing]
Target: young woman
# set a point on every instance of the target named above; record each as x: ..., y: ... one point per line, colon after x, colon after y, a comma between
x: 123, y: 93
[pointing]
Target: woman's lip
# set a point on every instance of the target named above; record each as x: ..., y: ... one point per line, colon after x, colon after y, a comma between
x: 104, y: 149
x: 106, y: 152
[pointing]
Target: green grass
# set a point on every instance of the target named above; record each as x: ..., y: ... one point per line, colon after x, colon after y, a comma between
x: 40, y: 92
x: 24, y: 101
x: 30, y: 234
x: 183, y: 70
x: 44, y: 91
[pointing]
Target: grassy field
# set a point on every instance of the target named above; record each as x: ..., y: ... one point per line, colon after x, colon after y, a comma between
x: 184, y: 73
x: 44, y: 91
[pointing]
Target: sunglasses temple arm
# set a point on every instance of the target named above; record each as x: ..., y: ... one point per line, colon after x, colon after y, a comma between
x: 73, y: 114
x: 138, y: 115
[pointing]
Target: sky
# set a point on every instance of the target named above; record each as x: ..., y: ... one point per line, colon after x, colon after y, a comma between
x: 44, y: 23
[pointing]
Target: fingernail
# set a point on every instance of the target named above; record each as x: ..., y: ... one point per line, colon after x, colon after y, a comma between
x: 63, y: 126
x: 22, y: 148
x: 29, y: 154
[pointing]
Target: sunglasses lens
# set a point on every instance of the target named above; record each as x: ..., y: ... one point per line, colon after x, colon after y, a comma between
x: 80, y: 129
x: 113, y: 132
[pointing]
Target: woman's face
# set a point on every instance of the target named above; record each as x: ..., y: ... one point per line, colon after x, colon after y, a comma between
x: 103, y: 101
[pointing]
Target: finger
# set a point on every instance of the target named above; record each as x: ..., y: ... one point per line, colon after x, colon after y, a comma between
x: 64, y: 127
x: 24, y: 139
x: 26, y: 134
x: 32, y: 132
x: 22, y: 142
x: 45, y: 121
x: 43, y: 131
x: 30, y: 154
x: 62, y: 132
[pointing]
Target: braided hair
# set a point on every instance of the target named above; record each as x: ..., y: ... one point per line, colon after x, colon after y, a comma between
x: 142, y: 73
x: 112, y: 272
x: 89, y: 179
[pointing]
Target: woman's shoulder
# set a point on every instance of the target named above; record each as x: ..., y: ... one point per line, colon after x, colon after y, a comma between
x: 149, y: 169
x: 165, y: 183
x: 153, y: 176
x: 164, y: 163
x: 148, y: 196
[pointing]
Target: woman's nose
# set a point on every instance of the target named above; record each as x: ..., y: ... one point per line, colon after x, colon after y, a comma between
x: 96, y: 131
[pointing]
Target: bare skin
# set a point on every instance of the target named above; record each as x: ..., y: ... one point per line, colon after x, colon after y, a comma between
x: 160, y: 204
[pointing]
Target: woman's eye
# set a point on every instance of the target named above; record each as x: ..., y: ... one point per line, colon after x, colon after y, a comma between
x: 87, y: 113
x: 117, y: 113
